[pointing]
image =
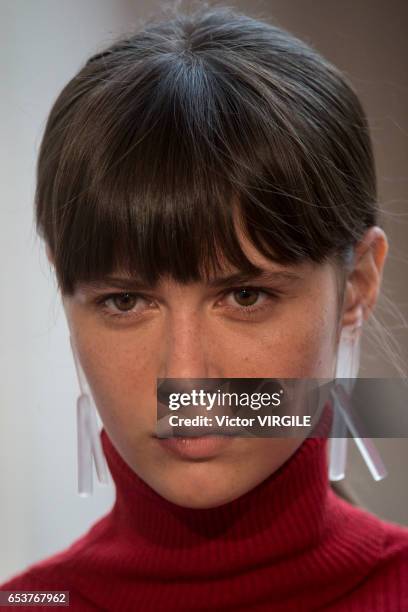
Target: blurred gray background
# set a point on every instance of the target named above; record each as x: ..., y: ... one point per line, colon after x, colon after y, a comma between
x: 43, y: 44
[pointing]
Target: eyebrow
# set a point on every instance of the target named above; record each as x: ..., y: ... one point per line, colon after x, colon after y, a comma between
x: 131, y: 283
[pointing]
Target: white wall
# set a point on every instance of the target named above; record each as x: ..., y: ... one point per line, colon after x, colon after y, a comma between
x: 42, y: 45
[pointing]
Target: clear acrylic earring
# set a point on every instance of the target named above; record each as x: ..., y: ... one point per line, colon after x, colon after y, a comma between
x: 88, y: 440
x: 344, y: 418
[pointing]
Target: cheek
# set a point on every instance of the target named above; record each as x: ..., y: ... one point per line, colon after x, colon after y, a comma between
x: 310, y: 354
x: 119, y: 376
x: 298, y: 345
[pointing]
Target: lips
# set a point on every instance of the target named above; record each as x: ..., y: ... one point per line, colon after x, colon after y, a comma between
x: 199, y: 448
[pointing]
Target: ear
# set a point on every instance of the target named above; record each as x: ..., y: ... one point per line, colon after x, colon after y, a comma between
x: 364, y: 281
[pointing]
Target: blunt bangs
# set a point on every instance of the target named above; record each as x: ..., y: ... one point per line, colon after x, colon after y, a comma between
x: 156, y: 146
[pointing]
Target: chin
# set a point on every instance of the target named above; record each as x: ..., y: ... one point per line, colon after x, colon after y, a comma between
x: 201, y: 501
x: 195, y: 490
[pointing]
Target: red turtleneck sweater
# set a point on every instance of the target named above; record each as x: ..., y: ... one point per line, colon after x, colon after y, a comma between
x: 289, y: 544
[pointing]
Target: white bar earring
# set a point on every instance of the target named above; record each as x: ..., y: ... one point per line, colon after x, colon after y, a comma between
x: 88, y: 440
x: 344, y: 418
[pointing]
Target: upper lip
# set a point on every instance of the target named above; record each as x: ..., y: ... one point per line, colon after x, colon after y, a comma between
x: 195, y: 432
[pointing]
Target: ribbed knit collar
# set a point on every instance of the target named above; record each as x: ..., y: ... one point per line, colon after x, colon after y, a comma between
x: 268, y: 509
x: 289, y: 542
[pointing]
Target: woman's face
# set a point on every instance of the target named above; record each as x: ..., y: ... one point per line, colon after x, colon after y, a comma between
x: 286, y: 329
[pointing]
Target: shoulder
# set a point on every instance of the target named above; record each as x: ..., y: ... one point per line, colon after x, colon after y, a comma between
x: 392, y: 543
x: 386, y: 585
x: 41, y: 581
x: 376, y: 551
x: 395, y: 548
x: 58, y: 572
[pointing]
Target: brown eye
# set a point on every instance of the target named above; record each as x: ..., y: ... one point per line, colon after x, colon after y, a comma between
x: 124, y: 301
x: 246, y: 297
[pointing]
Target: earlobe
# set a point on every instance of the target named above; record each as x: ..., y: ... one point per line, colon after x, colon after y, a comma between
x: 351, y: 304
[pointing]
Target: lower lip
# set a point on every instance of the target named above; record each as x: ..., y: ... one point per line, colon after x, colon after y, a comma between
x: 196, y: 447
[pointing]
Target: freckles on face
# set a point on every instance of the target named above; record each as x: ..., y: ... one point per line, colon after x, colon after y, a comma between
x: 119, y: 367
x: 297, y: 343
x: 122, y: 364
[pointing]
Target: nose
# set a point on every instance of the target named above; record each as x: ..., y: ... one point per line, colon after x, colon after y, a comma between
x: 189, y: 348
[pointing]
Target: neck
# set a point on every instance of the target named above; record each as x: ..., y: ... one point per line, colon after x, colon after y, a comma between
x: 271, y: 506
x: 289, y: 542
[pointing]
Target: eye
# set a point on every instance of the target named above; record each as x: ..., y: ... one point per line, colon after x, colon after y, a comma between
x: 246, y: 296
x: 123, y: 305
x: 124, y: 301
x: 250, y: 301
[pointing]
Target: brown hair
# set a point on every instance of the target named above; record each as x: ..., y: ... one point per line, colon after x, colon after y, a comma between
x: 150, y: 149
